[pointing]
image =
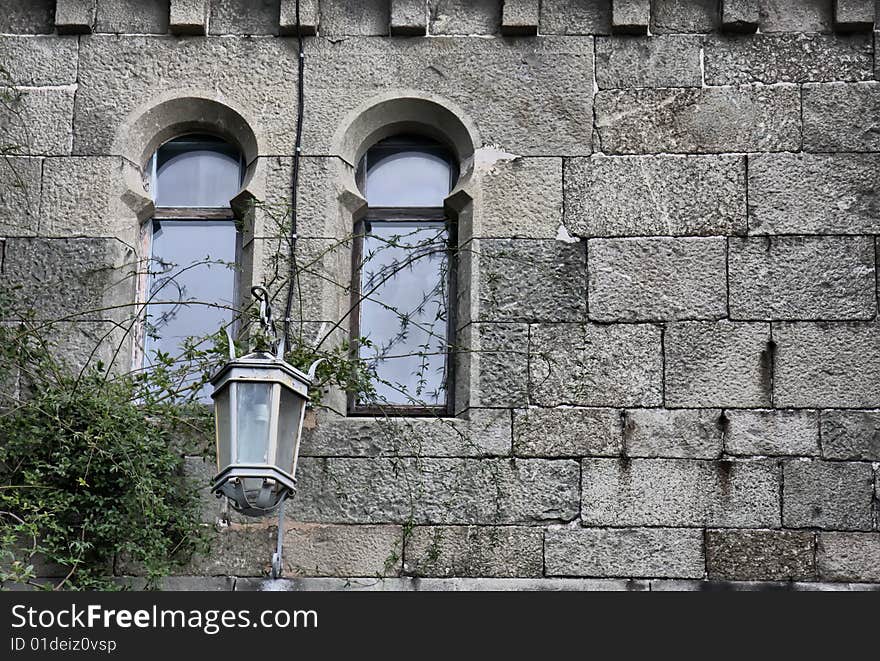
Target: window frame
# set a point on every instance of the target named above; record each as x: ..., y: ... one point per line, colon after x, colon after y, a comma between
x: 426, y: 215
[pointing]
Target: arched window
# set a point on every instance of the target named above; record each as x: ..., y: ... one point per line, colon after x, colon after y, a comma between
x: 403, y: 276
x: 192, y: 243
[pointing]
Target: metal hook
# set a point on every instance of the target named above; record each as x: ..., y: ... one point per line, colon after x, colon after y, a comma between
x: 266, y: 321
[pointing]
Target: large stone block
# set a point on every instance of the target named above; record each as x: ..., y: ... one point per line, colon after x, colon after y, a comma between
x: 520, y: 197
x: 86, y: 279
x: 567, y: 432
x: 552, y: 272
x: 842, y: 117
x: 575, y: 17
x: 245, y: 17
x: 38, y: 60
x: 676, y: 16
x: 795, y: 15
x: 814, y: 193
x: 188, y: 16
x: 20, y: 184
x: 629, y: 552
x: 28, y: 17
x: 788, y: 58
x: 75, y: 16
x: 520, y: 17
x: 682, y: 433
x: 679, y: 195
x: 718, y: 364
x: 255, y: 76
x: 436, y: 491
x: 464, y: 16
x: 496, y: 369
x: 680, y: 492
x: 500, y: 551
x: 704, y: 121
x: 314, y: 549
x: 740, y: 15
x: 408, y: 18
x: 630, y: 16
x: 526, y: 96
x: 849, y: 556
x: 356, y: 18
x: 850, y: 435
x: 133, y: 16
x: 38, y: 121
x: 483, y: 433
x: 802, y: 278
x: 672, y: 61
x: 595, y: 365
x: 854, y: 15
x: 760, y: 555
x: 827, y: 494
x: 827, y: 364
x: 657, y: 279
x: 772, y: 432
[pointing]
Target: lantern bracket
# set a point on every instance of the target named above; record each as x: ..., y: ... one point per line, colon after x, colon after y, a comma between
x: 277, y: 555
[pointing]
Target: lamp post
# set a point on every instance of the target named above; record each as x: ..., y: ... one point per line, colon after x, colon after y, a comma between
x: 259, y: 405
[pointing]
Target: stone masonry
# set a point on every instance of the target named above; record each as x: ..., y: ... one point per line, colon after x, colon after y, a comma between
x: 668, y: 369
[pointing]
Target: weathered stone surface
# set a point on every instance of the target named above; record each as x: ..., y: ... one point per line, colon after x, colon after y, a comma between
x: 553, y: 271
x: 309, y: 17
x: 242, y: 549
x: 30, y: 17
x: 842, y: 117
x: 762, y: 555
x: 82, y: 277
x: 133, y: 16
x: 665, y: 585
x: 595, y: 365
x: 788, y: 58
x: 682, y: 433
x: 772, y: 432
x: 795, y: 15
x: 464, y: 16
x: 255, y: 76
x: 802, y: 278
x: 672, y: 61
x: 717, y: 364
x: 707, y: 120
x: 498, y: 364
x: 657, y: 279
x: 520, y: 17
x: 527, y: 96
x: 827, y: 364
x: 739, y: 15
x: 849, y: 556
x: 437, y: 491
x: 853, y: 15
x: 680, y: 492
x: 702, y: 195
x: 75, y: 16
x: 314, y: 549
x: 566, y: 432
x: 683, y: 16
x: 636, y: 552
x: 20, y: 184
x: 501, y: 551
x: 630, y: 16
x: 408, y: 18
x: 827, y: 494
x: 38, y: 120
x: 357, y: 18
x: 188, y: 16
x: 851, y: 435
x: 521, y: 197
x: 38, y: 60
x: 483, y: 433
x: 575, y: 17
x: 814, y: 193
x: 245, y: 17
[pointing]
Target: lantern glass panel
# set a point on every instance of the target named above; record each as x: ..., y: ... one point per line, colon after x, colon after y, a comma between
x: 224, y: 427
x: 288, y: 428
x: 253, y: 413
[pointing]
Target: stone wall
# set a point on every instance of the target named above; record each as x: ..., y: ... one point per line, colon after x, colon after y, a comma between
x: 669, y: 371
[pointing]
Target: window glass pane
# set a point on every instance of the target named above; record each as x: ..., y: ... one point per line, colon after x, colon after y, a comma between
x: 191, y: 285
x: 404, y: 311
x: 196, y: 172
x: 406, y: 177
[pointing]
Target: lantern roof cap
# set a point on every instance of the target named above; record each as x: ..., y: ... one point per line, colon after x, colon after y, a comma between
x: 263, y: 360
